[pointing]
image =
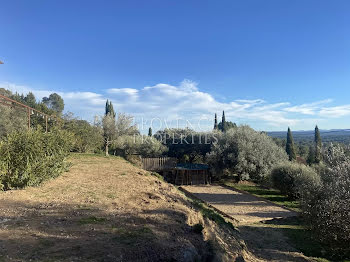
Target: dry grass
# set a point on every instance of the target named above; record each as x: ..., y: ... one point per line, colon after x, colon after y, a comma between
x: 105, y: 209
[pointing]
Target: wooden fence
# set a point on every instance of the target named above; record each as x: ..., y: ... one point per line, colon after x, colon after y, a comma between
x: 158, y: 164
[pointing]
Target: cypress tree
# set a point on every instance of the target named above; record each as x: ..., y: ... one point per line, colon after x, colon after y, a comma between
x: 111, y: 109
x: 290, y: 148
x: 311, y: 155
x: 223, y: 122
x: 150, y: 131
x: 107, y: 108
x: 318, y: 145
x: 216, y: 122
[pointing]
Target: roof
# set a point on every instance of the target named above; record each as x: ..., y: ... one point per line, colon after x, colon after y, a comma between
x: 190, y: 166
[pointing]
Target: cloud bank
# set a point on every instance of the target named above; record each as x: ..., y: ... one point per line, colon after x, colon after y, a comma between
x: 169, y: 105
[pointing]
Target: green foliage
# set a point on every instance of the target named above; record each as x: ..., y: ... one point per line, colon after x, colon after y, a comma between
x: 216, y: 122
x: 115, y: 128
x: 141, y: 145
x: 54, y: 102
x: 11, y: 119
x: 318, y: 146
x: 30, y: 100
x: 212, y: 215
x: 292, y: 178
x: 186, y: 144
x: 87, y: 138
x: 223, y: 125
x: 290, y: 148
x: 228, y: 125
x: 109, y: 110
x: 28, y: 158
x: 16, y: 118
x: 327, y: 206
x: 245, y: 152
x: 150, y: 131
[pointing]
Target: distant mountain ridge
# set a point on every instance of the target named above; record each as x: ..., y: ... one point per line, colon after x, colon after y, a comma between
x: 332, y: 135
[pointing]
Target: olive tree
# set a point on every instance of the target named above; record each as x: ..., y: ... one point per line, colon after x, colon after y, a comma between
x: 12, y: 119
x: 327, y: 207
x: 246, y: 153
x: 138, y: 144
x: 115, y: 127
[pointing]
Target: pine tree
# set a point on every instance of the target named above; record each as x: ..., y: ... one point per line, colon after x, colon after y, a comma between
x: 290, y: 148
x: 150, y: 131
x: 223, y: 121
x: 30, y: 99
x: 216, y: 122
x: 318, y: 145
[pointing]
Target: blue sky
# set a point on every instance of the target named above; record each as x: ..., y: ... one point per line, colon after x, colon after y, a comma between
x: 269, y: 64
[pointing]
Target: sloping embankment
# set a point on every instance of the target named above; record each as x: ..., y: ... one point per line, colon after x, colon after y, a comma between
x: 105, y: 209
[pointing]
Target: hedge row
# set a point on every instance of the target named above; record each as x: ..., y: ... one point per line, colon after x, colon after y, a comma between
x: 30, y: 157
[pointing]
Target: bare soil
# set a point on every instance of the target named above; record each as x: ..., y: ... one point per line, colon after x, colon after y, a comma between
x: 245, y: 208
x: 265, y: 242
x: 105, y: 209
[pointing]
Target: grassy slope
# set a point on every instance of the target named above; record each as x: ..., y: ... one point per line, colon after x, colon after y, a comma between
x: 105, y: 209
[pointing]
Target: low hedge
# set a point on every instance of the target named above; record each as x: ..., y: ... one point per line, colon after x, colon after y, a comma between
x: 30, y: 157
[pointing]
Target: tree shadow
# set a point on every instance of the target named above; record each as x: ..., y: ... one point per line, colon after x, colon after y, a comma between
x: 280, y: 239
x: 71, y: 232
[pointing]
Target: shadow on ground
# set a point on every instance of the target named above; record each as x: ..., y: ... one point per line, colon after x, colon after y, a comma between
x: 281, y: 239
x: 83, y: 233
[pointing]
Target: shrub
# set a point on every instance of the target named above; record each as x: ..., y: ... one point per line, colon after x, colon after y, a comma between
x: 28, y: 158
x: 292, y: 178
x: 246, y: 152
x: 142, y: 145
x: 327, y: 209
x: 87, y: 138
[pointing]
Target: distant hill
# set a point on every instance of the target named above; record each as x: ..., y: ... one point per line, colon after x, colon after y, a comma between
x: 334, y: 135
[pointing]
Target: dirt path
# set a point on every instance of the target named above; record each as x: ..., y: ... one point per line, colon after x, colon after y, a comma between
x: 255, y: 221
x: 245, y: 208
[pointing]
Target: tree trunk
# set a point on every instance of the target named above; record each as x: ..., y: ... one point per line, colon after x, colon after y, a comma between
x: 107, y: 148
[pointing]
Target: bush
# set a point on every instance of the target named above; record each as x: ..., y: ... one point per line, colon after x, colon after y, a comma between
x: 28, y: 158
x: 292, y: 178
x: 87, y: 138
x: 141, y: 145
x: 245, y: 152
x: 327, y: 209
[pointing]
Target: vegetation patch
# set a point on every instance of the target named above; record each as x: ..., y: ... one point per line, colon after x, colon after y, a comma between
x: 212, y: 214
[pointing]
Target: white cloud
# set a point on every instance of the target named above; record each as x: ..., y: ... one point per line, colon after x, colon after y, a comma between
x: 308, y: 109
x: 335, y: 112
x: 169, y: 103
